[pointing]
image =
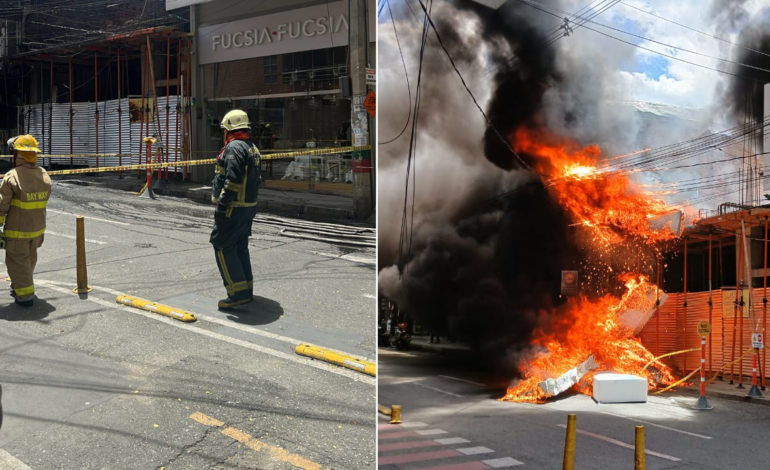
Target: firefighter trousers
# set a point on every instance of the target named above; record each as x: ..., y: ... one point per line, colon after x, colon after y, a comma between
x: 230, y: 239
x: 20, y: 260
x: 234, y: 265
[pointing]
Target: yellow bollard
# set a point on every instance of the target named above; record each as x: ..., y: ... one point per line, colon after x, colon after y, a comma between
x: 639, y: 455
x: 82, y: 287
x: 395, y: 414
x: 569, y: 443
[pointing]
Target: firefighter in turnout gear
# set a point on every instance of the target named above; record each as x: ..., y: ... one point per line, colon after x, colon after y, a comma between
x: 235, y: 187
x: 24, y: 194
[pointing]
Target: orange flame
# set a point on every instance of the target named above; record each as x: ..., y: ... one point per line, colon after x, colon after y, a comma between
x: 614, y: 211
x: 591, y: 328
x: 607, y: 203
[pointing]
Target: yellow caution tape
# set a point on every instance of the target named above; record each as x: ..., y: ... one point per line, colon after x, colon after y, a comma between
x: 677, y: 382
x: 688, y: 376
x: 265, y: 153
x: 725, y: 366
x: 674, y: 353
x: 161, y: 309
x: 344, y: 360
x: 208, y: 161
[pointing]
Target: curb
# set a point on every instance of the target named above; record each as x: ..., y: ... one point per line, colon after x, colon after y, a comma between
x: 334, y: 357
x: 765, y: 400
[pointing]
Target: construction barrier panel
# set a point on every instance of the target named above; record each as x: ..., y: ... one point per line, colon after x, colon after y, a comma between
x: 668, y: 326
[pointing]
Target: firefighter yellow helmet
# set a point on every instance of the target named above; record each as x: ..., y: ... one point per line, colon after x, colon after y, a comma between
x: 24, y: 143
x: 235, y: 119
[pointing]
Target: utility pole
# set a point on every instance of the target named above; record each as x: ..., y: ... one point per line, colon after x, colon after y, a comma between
x: 363, y: 168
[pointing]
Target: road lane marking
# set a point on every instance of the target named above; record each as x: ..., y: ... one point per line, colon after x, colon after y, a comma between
x: 370, y: 296
x: 418, y: 457
x: 701, y: 436
x: 462, y: 380
x: 431, y: 432
x: 9, y: 462
x: 475, y: 450
x: 255, y: 444
x: 475, y: 465
x: 323, y: 366
x: 387, y: 427
x: 267, y: 334
x: 246, y: 329
x: 396, y: 435
x: 88, y: 217
x: 623, y: 444
x: 449, y: 441
x: 413, y: 424
x: 436, y: 389
x: 72, y: 237
x: 503, y: 462
x: 406, y: 445
x: 348, y: 257
x: 206, y: 420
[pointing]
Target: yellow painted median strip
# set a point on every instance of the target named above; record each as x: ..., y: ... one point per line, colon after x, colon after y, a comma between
x: 334, y: 357
x: 255, y: 444
x: 175, y: 313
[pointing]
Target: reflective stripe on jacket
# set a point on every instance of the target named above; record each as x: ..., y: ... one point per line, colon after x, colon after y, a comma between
x: 24, y: 195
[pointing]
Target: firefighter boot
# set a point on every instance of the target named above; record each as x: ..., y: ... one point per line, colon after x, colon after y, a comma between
x: 25, y: 300
x: 230, y: 302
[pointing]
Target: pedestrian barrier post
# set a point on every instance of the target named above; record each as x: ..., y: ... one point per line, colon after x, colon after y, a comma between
x: 82, y: 288
x: 639, y: 449
x: 757, y: 342
x: 147, y: 190
x: 395, y: 414
x: 569, y: 443
x: 704, y: 328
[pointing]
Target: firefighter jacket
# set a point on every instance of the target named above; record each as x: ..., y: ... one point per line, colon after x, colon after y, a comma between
x: 236, y: 177
x: 24, y: 194
x: 235, y: 187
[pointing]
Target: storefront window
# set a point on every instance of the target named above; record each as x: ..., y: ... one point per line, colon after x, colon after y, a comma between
x: 271, y: 69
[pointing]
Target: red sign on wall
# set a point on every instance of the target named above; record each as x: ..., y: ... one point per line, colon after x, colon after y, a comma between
x: 370, y: 103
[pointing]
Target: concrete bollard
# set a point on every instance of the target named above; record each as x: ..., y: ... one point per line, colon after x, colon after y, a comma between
x: 569, y: 443
x: 82, y: 287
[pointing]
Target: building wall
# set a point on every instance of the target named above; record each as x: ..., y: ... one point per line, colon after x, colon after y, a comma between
x: 298, y: 92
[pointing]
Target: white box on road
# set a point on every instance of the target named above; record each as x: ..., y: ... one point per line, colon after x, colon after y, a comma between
x: 610, y: 387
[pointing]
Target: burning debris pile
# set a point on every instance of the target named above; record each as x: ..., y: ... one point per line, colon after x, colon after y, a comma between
x: 588, y: 335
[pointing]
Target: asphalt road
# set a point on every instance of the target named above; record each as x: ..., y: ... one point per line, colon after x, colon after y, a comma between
x: 452, y: 419
x: 88, y: 383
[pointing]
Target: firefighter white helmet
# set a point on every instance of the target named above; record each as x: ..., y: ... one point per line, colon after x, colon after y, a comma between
x: 235, y: 119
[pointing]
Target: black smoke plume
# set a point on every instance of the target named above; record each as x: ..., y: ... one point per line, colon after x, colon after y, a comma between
x: 487, y: 270
x: 745, y: 97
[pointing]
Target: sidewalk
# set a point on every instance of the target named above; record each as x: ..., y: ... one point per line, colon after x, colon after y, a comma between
x: 316, y: 206
x: 718, y: 388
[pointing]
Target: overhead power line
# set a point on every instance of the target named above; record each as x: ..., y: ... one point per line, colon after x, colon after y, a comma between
x: 694, y: 30
x: 557, y: 15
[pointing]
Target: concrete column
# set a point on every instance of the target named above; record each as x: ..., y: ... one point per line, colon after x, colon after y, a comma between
x: 363, y: 169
